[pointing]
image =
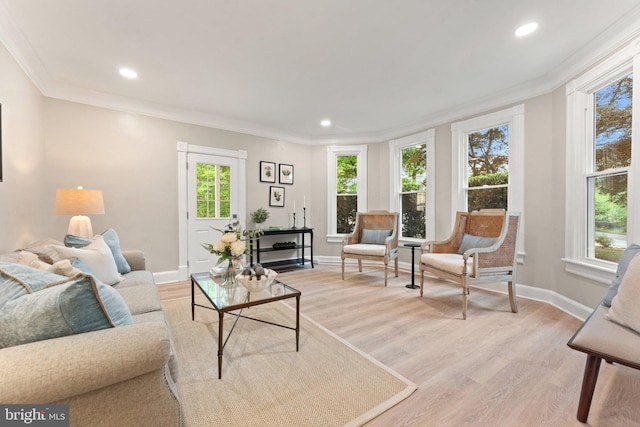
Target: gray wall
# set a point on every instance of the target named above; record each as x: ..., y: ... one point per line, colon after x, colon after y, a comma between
x: 50, y: 143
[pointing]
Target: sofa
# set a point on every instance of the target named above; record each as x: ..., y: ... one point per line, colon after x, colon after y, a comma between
x: 121, y: 375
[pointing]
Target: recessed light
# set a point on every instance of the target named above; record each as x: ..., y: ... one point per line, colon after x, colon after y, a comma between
x: 128, y: 73
x: 526, y: 29
x: 325, y: 123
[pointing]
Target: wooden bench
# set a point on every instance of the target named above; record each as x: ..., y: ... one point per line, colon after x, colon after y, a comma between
x: 601, y: 339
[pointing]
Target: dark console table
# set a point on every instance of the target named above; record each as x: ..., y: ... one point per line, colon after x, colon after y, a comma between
x: 300, y: 247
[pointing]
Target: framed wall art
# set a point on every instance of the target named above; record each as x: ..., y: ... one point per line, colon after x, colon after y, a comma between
x: 276, y: 196
x: 267, y: 172
x: 286, y: 174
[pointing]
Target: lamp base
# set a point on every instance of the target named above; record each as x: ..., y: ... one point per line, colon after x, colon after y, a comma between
x: 80, y: 226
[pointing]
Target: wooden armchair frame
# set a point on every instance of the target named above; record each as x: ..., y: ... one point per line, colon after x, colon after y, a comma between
x: 495, y: 263
x: 374, y: 220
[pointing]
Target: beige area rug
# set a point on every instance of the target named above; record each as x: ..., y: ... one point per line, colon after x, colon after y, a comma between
x: 265, y: 382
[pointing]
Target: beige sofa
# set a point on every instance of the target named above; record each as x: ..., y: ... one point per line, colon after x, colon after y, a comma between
x: 124, y: 376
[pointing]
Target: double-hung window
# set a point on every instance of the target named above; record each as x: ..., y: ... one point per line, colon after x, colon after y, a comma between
x: 600, y: 215
x: 488, y: 164
x: 412, y: 181
x: 347, y: 187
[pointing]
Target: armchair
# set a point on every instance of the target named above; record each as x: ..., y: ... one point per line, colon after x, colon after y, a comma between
x: 374, y: 237
x: 481, y: 249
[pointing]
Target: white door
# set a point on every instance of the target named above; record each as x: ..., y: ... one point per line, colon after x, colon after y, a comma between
x: 212, y: 201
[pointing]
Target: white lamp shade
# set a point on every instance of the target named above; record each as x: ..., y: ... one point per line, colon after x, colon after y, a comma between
x: 70, y: 201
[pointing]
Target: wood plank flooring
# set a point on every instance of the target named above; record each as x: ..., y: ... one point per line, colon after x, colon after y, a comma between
x: 494, y: 369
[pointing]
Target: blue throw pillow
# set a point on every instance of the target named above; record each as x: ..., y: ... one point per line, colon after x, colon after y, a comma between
x: 374, y: 237
x: 111, y: 239
x: 38, y: 310
x: 469, y: 241
x: 625, y: 259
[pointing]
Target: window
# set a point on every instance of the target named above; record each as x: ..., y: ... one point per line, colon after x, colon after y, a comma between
x: 488, y: 164
x: 600, y: 217
x: 347, y: 186
x: 412, y: 180
x: 213, y: 188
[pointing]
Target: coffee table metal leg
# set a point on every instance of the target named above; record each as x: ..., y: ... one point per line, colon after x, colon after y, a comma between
x: 193, y: 302
x: 297, y: 321
x: 220, y: 345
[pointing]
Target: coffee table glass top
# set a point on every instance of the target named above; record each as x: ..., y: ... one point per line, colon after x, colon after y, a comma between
x: 237, y: 296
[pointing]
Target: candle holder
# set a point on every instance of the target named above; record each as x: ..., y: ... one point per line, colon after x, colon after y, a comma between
x: 304, y: 217
x: 294, y: 221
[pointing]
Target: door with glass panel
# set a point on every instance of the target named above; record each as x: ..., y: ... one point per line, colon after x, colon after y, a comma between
x: 212, y: 202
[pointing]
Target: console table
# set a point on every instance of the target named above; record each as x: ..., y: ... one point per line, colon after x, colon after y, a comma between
x: 301, y: 245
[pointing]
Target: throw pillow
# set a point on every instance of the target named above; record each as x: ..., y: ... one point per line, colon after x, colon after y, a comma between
x: 625, y: 259
x: 111, y: 239
x: 469, y: 241
x: 97, y: 256
x: 32, y: 260
x: 374, y: 237
x: 38, y: 310
x: 624, y: 306
x: 63, y: 268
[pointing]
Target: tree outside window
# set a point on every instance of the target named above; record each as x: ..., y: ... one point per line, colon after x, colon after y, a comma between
x: 607, y: 182
x: 414, y: 191
x: 488, y: 169
x: 213, y: 188
x: 347, y: 193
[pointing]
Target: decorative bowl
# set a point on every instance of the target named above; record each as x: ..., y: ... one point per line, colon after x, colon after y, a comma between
x: 254, y: 285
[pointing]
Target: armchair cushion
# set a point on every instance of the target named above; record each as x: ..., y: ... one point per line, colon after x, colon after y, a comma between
x: 365, y: 249
x: 452, y: 263
x: 469, y: 241
x: 374, y: 237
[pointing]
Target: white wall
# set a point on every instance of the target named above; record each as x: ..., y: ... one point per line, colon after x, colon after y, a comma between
x: 22, y: 211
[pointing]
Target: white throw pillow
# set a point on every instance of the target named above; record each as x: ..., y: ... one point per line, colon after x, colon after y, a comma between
x: 96, y: 255
x: 624, y: 306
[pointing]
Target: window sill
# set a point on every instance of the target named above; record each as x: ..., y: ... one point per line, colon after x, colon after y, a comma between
x: 598, y: 273
x: 335, y: 238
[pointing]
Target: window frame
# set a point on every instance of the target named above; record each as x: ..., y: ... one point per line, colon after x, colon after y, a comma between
x: 579, y: 94
x: 333, y: 151
x: 514, y: 117
x: 396, y: 146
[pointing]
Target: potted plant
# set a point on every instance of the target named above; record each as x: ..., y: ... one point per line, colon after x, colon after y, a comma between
x: 259, y: 216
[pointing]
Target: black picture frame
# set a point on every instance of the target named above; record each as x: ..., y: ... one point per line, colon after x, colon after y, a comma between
x: 276, y: 196
x: 285, y: 174
x: 267, y: 172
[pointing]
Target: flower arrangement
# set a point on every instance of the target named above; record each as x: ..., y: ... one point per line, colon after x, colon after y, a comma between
x: 231, y: 245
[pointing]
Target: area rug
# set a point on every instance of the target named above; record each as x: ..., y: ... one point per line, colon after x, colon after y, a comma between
x: 265, y: 382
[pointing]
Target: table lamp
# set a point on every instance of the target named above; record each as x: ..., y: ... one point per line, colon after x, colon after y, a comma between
x: 79, y: 202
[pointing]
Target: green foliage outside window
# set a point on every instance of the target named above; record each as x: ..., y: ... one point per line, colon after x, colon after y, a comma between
x: 413, y: 198
x: 213, y: 191
x: 347, y: 197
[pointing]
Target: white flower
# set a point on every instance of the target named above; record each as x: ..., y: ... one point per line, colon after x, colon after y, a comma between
x: 229, y: 238
x: 237, y: 247
x: 219, y: 246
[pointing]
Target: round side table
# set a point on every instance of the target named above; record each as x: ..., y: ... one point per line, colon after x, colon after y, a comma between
x: 413, y: 247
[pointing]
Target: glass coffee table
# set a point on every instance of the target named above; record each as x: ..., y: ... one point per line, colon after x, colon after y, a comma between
x: 237, y: 298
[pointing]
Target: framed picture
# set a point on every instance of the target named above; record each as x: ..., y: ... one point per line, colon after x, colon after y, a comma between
x: 276, y: 196
x: 267, y: 172
x: 286, y: 174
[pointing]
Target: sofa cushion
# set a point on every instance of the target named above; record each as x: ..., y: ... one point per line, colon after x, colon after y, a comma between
x: 96, y: 255
x: 141, y: 299
x: 624, y: 306
x: 111, y: 239
x: 469, y: 241
x: 135, y: 278
x: 37, y: 305
x: 374, y: 237
x: 623, y: 263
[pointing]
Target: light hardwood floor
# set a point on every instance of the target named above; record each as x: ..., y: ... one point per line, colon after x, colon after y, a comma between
x: 494, y: 369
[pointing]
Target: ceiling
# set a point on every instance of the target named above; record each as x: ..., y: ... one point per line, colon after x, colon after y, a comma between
x: 378, y: 68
